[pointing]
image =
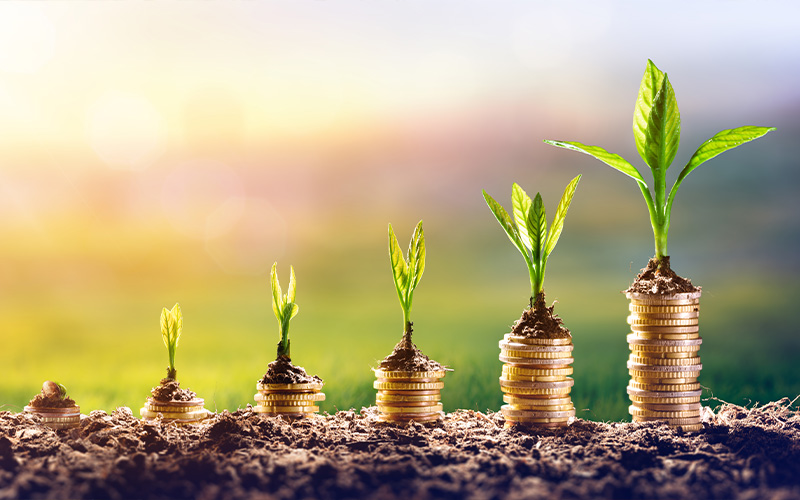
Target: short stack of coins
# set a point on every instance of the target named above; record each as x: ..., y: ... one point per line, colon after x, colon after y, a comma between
x: 536, y: 382
x: 179, y: 412
x: 294, y: 401
x: 405, y: 396
x: 664, y: 364
x: 57, y: 418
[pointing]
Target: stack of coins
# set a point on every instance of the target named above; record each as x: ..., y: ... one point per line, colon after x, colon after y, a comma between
x: 288, y: 400
x: 664, y: 364
x: 405, y: 396
x: 535, y: 381
x: 57, y: 418
x: 179, y: 412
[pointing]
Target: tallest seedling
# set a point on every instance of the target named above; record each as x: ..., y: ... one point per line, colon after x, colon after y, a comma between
x: 657, y: 132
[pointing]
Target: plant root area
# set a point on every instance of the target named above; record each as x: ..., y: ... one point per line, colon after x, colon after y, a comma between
x: 745, y: 453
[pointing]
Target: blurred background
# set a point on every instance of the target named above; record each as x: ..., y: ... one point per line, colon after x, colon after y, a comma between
x: 153, y: 153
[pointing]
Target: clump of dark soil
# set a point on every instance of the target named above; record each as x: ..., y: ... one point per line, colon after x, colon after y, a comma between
x: 170, y: 390
x: 744, y: 453
x: 540, y: 321
x: 51, y: 401
x: 659, y: 279
x: 282, y: 371
x: 406, y: 357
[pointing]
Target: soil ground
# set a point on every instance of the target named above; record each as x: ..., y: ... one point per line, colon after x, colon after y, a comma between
x: 742, y: 453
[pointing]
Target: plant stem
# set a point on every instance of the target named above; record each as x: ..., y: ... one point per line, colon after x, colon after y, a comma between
x: 172, y: 373
x: 283, y: 345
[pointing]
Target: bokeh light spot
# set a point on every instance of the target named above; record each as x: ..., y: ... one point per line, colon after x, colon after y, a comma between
x: 27, y: 37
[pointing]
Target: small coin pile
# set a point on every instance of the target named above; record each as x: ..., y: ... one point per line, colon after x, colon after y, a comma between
x: 179, y: 412
x: 405, y: 396
x: 536, y: 381
x: 57, y: 418
x: 288, y: 400
x: 664, y: 364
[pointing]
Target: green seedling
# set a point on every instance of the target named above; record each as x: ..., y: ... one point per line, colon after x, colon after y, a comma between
x: 54, y: 389
x: 530, y: 234
x: 407, y: 271
x: 171, y: 327
x: 656, y: 131
x: 284, y: 308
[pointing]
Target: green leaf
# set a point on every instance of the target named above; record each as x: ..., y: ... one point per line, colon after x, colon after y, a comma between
x: 165, y: 326
x: 505, y: 221
x: 663, y: 130
x: 610, y: 159
x: 522, y: 205
x: 277, y: 295
x: 537, y: 228
x: 290, y: 295
x: 416, y: 256
x: 652, y: 82
x: 399, y: 266
x: 178, y: 323
x: 290, y: 310
x: 561, y: 214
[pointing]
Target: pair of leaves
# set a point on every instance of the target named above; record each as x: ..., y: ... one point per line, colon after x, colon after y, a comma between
x: 171, y: 326
x: 283, y: 304
x: 528, y: 230
x: 407, y: 270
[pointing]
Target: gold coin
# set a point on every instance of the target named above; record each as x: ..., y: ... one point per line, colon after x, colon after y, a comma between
x: 696, y: 393
x: 663, y: 355
x: 265, y: 408
x: 557, y: 408
x: 653, y: 322
x: 522, y: 391
x: 666, y: 336
x: 660, y: 370
x: 311, y: 386
x: 290, y: 396
x: 673, y: 299
x: 194, y: 415
x: 662, y: 406
x: 634, y: 308
x: 535, y: 378
x: 649, y: 315
x: 172, y: 409
x: 287, y: 402
x: 406, y: 404
x: 392, y: 398
x: 411, y: 393
x: 389, y: 374
x: 690, y: 428
x: 655, y: 350
x: 667, y: 378
x: 516, y: 346
x: 68, y: 410
x: 646, y: 402
x: 537, y: 416
x: 533, y: 361
x: 411, y: 409
x: 680, y: 422
x: 60, y: 420
x: 524, y: 384
x: 647, y: 385
x: 663, y: 329
x: 537, y: 341
x: 540, y: 425
x: 539, y: 357
x: 524, y: 370
x: 536, y: 401
x: 682, y: 362
x: 407, y: 386
x: 639, y: 412
x: 637, y: 340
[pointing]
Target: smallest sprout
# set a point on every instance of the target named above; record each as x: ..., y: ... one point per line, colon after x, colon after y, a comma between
x: 54, y: 389
x: 171, y: 327
x: 284, y: 308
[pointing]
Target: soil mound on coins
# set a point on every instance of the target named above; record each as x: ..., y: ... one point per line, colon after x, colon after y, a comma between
x: 662, y: 280
x: 42, y: 401
x: 406, y: 357
x: 540, y: 322
x: 170, y: 390
x: 282, y: 371
x: 741, y: 453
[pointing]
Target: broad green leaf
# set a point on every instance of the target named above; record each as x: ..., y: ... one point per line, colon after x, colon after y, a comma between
x: 178, y: 323
x: 537, y: 227
x: 561, y: 214
x: 505, y: 221
x: 652, y: 81
x: 290, y: 310
x: 399, y: 266
x: 416, y: 256
x: 165, y: 328
x: 522, y: 205
x: 610, y: 159
x: 290, y: 295
x: 663, y: 129
x: 277, y: 296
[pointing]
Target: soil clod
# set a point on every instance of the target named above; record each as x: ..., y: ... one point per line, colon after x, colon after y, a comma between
x: 658, y: 278
x: 170, y: 390
x: 540, y: 321
x: 282, y: 371
x: 407, y: 357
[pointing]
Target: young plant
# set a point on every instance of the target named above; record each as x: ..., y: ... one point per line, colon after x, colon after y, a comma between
x: 407, y: 272
x: 530, y: 234
x: 284, y: 308
x: 52, y: 389
x: 171, y: 327
x: 657, y: 131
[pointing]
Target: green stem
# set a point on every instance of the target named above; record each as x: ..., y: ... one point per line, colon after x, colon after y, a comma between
x: 283, y: 345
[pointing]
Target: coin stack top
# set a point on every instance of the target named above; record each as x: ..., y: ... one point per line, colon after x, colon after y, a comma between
x: 409, y: 395
x: 663, y: 364
x: 179, y: 412
x: 294, y: 400
x: 57, y: 418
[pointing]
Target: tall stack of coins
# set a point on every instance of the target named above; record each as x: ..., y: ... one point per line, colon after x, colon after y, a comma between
x: 179, y: 412
x: 405, y: 396
x: 535, y: 381
x: 288, y: 400
x: 57, y: 418
x: 663, y: 363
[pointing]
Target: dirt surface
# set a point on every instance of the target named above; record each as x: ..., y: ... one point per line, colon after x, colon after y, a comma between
x: 170, y: 390
x: 282, y: 371
x: 53, y: 401
x: 541, y: 322
x: 407, y: 357
x: 741, y: 454
x: 659, y: 279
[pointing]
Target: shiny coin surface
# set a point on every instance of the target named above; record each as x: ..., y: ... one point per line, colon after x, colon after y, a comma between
x: 523, y: 384
x: 667, y: 336
x: 665, y: 406
x: 639, y: 321
x: 663, y: 369
x: 649, y: 315
x: 172, y: 409
x: 651, y: 309
x: 262, y: 408
x: 671, y: 421
x: 639, y: 412
x: 650, y: 385
x: 410, y: 393
x: 388, y: 374
x: 69, y: 410
x: 516, y: 346
x: 667, y: 330
x: 166, y: 416
x: 673, y: 299
x: 407, y: 386
x: 534, y: 401
x: 536, y: 341
x: 662, y: 394
x: 510, y: 411
x: 406, y: 404
x: 637, y: 340
x: 663, y: 355
x: 530, y: 371
x: 411, y: 409
x: 540, y: 357
x: 677, y: 362
x: 312, y: 386
x: 393, y: 398
x: 522, y: 391
x: 290, y: 396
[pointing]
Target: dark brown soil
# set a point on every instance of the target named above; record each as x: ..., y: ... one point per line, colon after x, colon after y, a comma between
x: 282, y: 371
x: 741, y: 454
x: 406, y: 357
x: 540, y: 321
x: 659, y: 279
x: 55, y: 401
x: 170, y: 390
